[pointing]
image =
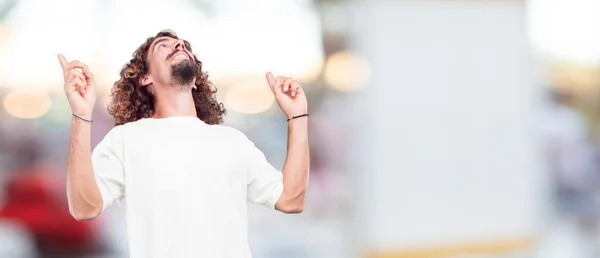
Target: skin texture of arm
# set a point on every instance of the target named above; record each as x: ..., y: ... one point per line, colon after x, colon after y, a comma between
x: 85, y: 200
x: 296, y: 168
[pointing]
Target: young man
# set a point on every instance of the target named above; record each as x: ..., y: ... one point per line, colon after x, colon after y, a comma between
x: 182, y: 180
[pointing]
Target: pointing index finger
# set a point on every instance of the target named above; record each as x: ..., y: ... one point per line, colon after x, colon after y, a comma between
x: 270, y: 79
x: 62, y: 60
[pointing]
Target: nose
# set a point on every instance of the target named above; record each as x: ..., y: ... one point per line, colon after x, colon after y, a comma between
x: 179, y: 45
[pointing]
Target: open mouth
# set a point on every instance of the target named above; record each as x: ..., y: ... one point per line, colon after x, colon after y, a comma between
x: 181, y: 55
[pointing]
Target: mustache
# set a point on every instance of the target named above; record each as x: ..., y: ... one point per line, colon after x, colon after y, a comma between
x: 176, y: 52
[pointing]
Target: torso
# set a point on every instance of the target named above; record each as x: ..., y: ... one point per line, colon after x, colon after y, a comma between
x: 185, y: 190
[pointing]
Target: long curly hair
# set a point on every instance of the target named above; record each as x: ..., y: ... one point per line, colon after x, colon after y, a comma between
x: 131, y: 101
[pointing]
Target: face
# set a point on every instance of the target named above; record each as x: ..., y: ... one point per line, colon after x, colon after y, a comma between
x: 171, y: 63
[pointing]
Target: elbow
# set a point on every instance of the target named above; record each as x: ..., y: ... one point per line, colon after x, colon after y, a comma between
x: 84, y: 218
x: 292, y: 208
x: 293, y: 205
x: 296, y: 210
x: 85, y: 215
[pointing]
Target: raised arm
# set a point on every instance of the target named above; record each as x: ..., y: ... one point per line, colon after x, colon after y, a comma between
x: 292, y: 101
x: 85, y: 200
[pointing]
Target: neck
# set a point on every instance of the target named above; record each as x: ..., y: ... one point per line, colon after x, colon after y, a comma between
x: 174, y: 102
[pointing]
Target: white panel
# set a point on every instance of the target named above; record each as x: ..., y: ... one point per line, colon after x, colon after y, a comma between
x: 450, y: 152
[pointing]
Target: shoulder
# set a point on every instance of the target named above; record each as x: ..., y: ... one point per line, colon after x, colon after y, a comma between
x: 113, y: 138
x: 116, y: 132
x: 120, y: 131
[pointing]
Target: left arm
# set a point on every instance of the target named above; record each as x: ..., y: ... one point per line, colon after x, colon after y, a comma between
x: 292, y: 101
x: 265, y: 184
x: 296, y: 168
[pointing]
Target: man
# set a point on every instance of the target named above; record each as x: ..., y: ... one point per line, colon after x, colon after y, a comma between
x: 182, y: 180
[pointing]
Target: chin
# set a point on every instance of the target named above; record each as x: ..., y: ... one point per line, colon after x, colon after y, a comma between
x: 184, y: 72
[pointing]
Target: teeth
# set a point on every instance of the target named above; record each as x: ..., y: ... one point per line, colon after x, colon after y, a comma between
x: 178, y: 57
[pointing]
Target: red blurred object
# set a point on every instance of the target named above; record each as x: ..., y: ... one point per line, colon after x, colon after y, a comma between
x: 32, y: 199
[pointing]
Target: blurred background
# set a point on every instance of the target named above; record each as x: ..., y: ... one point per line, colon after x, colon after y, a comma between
x: 438, y: 128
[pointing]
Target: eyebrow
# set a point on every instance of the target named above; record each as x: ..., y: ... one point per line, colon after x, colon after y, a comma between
x: 159, y: 41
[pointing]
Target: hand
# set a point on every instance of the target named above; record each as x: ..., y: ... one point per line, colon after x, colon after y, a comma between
x: 289, y: 95
x: 79, y: 87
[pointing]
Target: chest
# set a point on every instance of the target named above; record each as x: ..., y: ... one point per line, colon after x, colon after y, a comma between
x: 198, y: 165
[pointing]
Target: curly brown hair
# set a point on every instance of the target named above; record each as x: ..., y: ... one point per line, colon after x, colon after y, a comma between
x: 131, y: 101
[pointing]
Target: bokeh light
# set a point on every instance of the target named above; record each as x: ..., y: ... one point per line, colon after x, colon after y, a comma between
x: 346, y: 71
x: 249, y: 96
x: 27, y: 104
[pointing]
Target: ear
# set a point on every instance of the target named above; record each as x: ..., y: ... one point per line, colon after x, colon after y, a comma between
x: 146, y: 80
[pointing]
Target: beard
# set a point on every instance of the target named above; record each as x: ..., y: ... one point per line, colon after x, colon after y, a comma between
x: 184, y: 73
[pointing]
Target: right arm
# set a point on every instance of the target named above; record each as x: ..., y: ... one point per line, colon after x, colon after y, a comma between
x: 83, y: 194
x: 85, y: 200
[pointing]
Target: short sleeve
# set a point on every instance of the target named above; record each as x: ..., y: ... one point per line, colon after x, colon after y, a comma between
x: 264, y: 182
x: 107, y: 161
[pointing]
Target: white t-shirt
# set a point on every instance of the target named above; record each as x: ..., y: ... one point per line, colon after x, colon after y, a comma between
x: 184, y: 186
